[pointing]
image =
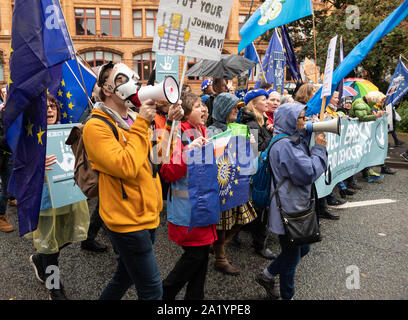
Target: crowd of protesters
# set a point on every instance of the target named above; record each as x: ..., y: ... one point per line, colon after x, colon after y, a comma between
x: 132, y: 187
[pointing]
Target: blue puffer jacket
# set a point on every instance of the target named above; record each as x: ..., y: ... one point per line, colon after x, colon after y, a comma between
x: 292, y: 159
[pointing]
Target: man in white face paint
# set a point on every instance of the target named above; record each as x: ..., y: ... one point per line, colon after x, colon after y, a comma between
x: 130, y: 198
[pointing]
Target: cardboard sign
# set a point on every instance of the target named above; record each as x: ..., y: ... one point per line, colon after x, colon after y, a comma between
x: 192, y: 28
x: 63, y: 190
x: 328, y: 71
x: 167, y: 65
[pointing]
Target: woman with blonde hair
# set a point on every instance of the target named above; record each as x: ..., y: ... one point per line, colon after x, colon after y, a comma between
x: 254, y: 116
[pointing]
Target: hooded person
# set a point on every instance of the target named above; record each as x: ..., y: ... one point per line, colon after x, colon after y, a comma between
x: 225, y: 111
x: 292, y: 162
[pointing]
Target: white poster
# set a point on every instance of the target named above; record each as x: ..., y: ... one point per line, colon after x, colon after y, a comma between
x: 192, y: 28
x: 328, y: 71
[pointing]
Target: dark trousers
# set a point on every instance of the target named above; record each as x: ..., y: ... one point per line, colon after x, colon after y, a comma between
x: 285, y: 265
x: 191, y: 268
x: 258, y: 230
x: 137, y: 265
x: 95, y: 223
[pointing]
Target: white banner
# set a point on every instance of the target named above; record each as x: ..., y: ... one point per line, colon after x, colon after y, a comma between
x: 192, y: 28
x: 328, y: 71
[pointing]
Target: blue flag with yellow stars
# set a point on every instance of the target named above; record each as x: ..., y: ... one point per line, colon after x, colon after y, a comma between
x: 235, y: 166
x: 399, y: 84
x: 273, y: 65
x: 38, y: 42
x: 218, y: 177
x: 71, y: 93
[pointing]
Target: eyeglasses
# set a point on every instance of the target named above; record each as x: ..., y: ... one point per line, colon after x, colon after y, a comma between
x: 52, y: 106
x: 303, y: 118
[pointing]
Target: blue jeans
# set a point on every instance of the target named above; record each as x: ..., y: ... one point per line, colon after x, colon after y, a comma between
x: 136, y: 265
x: 5, y: 177
x: 285, y: 265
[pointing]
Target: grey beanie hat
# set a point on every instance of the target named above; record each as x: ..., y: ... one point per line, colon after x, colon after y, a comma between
x: 222, y: 106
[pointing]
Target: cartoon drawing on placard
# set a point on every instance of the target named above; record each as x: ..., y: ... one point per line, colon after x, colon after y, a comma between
x: 173, y: 37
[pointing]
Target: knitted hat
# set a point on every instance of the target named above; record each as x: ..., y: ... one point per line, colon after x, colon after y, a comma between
x: 255, y: 93
x: 222, y: 106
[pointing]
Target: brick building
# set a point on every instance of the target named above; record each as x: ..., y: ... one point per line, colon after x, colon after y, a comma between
x: 120, y: 30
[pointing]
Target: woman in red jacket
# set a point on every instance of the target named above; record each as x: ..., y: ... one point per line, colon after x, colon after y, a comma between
x: 191, y: 268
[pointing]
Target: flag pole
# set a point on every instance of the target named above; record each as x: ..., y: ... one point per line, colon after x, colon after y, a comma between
x: 314, y: 44
x: 76, y: 59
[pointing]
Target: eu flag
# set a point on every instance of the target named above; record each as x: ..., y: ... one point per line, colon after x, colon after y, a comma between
x: 399, y: 84
x: 273, y: 65
x: 290, y: 56
x: 33, y: 51
x: 71, y: 92
x: 357, y: 55
x: 272, y: 14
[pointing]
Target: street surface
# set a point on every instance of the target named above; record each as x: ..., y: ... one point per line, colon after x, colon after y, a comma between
x: 369, y: 239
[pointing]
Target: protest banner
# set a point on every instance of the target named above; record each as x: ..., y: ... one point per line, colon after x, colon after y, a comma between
x: 61, y: 184
x: 360, y: 145
x: 167, y: 65
x: 192, y: 28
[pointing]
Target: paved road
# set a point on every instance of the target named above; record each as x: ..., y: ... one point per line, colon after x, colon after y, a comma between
x: 372, y: 238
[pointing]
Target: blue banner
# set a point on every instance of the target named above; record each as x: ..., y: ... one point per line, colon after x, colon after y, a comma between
x: 62, y: 187
x: 290, y: 56
x: 360, y: 145
x: 272, y: 14
x: 273, y: 65
x: 399, y: 84
x: 357, y: 55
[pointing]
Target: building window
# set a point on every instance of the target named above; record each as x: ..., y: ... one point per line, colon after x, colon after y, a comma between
x: 85, y: 22
x: 191, y: 62
x: 241, y: 21
x: 137, y: 23
x: 150, y: 22
x: 98, y: 58
x: 143, y: 64
x: 110, y: 22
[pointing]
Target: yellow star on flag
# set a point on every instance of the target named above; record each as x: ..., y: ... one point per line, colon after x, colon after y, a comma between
x: 39, y: 134
x: 29, y: 128
x: 71, y: 105
x: 236, y: 181
x: 69, y: 95
x: 60, y: 92
x: 231, y: 193
x: 63, y: 82
x: 223, y: 201
x: 65, y: 115
x: 238, y: 168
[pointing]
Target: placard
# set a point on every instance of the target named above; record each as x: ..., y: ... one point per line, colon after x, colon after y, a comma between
x: 63, y: 190
x: 192, y: 28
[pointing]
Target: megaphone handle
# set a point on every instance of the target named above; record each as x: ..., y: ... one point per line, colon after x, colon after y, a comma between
x: 170, y: 139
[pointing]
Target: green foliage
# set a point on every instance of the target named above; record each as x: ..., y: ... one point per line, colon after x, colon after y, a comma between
x: 403, y: 112
x: 381, y: 60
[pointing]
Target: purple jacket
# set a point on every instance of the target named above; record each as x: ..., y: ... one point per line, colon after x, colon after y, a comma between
x: 292, y: 159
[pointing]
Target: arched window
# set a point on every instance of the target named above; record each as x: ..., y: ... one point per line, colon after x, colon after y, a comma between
x: 98, y: 58
x: 143, y: 64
